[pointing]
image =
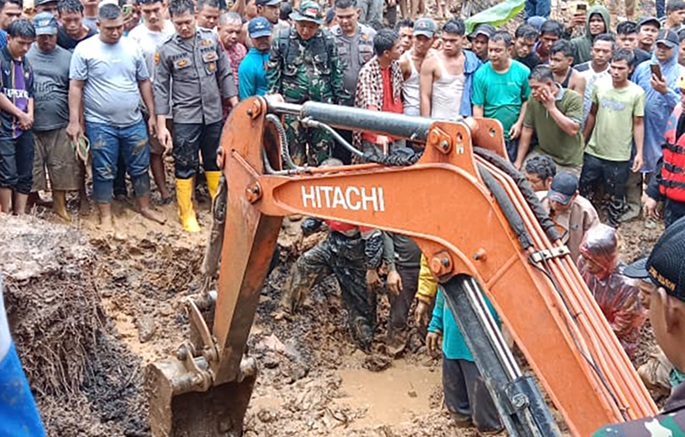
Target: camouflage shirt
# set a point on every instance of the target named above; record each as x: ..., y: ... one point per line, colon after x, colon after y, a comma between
x: 305, y: 70
x: 670, y: 423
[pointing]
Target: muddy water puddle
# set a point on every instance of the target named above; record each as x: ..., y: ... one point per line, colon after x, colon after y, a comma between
x: 393, y: 396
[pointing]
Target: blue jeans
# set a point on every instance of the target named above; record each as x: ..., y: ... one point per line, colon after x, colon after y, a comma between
x: 16, y: 163
x: 106, y: 142
x: 539, y: 8
x: 660, y: 8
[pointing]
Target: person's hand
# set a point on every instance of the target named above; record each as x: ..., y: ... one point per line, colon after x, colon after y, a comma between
x: 275, y: 98
x: 651, y: 209
x: 659, y: 85
x: 515, y: 131
x: 394, y: 282
x: 74, y: 131
x: 220, y: 157
x: 578, y: 20
x: 164, y: 138
x: 637, y: 164
x: 433, y: 340
x: 421, y: 316
x: 547, y: 99
x: 383, y: 142
x: 518, y: 164
x: 152, y: 125
x: 373, y: 281
x: 25, y: 121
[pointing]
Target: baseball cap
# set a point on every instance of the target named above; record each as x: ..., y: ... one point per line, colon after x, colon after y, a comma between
x: 259, y: 27
x: 665, y: 266
x: 564, y: 187
x: 42, y: 2
x: 667, y: 37
x: 649, y: 20
x: 45, y: 24
x: 309, y: 11
x: 536, y: 21
x: 482, y: 29
x: 426, y: 27
x: 268, y: 2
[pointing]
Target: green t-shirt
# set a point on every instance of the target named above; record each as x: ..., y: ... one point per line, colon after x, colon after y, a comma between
x: 564, y: 149
x: 612, y: 136
x: 501, y: 94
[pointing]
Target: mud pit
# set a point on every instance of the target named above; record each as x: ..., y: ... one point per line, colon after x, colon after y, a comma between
x: 88, y: 314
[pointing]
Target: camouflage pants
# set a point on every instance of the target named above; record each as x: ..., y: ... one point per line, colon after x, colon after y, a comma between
x: 343, y: 257
x: 307, y: 146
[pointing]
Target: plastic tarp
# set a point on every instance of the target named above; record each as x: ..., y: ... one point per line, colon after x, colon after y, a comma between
x: 496, y: 15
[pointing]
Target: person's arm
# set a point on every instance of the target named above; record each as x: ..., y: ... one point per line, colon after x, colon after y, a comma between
x: 569, y: 126
x: 524, y: 145
x: 247, y: 86
x: 238, y: 7
x: 145, y: 88
x: 478, y: 93
x: 161, y: 97
x: 274, y: 70
x: 224, y: 75
x: 337, y: 85
x: 515, y: 130
x: 639, y: 137
x: 405, y: 66
x: 581, y: 83
x: 426, y: 87
x: 75, y: 128
x: 590, y: 122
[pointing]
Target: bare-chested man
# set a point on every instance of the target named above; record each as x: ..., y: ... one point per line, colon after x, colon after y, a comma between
x: 446, y: 76
x: 412, y: 60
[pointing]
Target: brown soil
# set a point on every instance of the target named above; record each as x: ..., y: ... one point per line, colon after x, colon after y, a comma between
x: 88, y: 313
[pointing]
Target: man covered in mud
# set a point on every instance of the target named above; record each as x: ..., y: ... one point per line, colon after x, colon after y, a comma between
x: 353, y: 254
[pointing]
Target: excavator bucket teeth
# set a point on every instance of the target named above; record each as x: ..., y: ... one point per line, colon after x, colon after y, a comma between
x: 217, y: 412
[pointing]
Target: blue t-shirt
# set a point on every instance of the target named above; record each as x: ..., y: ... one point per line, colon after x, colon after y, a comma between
x: 501, y: 94
x: 252, y: 74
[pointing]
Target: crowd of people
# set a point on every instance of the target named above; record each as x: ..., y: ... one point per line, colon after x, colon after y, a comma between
x: 590, y: 109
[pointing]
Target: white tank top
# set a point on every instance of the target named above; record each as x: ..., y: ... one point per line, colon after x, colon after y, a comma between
x: 410, y: 90
x: 446, y: 96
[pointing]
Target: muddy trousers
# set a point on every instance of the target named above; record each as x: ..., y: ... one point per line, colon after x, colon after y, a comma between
x: 401, y: 304
x: 106, y: 144
x: 466, y: 394
x: 614, y: 176
x: 191, y: 139
x: 343, y: 257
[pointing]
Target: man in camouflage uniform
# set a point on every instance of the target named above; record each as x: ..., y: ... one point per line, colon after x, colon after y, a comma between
x: 664, y: 269
x: 351, y: 253
x: 304, y: 65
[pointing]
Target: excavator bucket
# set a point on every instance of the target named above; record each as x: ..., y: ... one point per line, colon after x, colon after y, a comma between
x: 218, y: 411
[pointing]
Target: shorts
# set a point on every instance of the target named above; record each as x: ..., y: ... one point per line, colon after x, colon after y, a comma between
x: 16, y: 163
x: 53, y: 150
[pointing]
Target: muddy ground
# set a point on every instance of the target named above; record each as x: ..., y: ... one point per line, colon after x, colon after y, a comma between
x: 90, y: 312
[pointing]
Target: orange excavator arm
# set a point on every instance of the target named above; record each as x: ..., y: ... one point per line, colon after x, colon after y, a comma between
x: 468, y: 216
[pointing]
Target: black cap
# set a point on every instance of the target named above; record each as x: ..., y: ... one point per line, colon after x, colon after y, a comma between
x: 649, y: 20
x: 668, y: 37
x: 483, y: 29
x: 43, y: 2
x: 665, y: 266
x: 564, y: 187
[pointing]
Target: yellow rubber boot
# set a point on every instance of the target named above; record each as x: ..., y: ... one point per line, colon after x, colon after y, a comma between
x: 184, y: 197
x: 213, y: 182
